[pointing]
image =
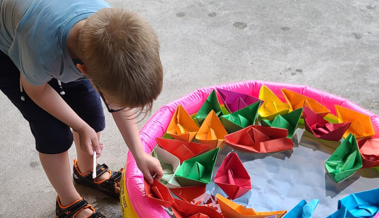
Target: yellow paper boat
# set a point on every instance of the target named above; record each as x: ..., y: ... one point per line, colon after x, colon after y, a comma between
x: 360, y: 125
x: 296, y: 101
x: 231, y: 209
x: 212, y: 131
x: 182, y: 126
x: 272, y: 106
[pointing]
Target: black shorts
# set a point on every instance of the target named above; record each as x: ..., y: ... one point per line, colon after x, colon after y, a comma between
x: 51, y: 135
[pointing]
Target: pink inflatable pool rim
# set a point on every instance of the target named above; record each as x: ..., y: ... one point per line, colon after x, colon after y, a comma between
x: 157, y: 125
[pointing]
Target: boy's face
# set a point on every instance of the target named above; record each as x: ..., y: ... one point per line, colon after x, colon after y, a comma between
x: 109, y: 102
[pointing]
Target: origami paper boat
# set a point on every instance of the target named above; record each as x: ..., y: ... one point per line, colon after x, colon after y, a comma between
x: 288, y: 121
x: 303, y: 209
x: 235, y: 101
x: 272, y: 106
x: 182, y: 149
x: 360, y: 125
x: 182, y: 127
x: 231, y: 209
x: 361, y: 204
x: 211, y: 103
x: 197, y: 170
x: 192, y: 193
x: 159, y: 193
x: 369, y: 149
x: 212, y: 132
x: 240, y: 119
x: 345, y: 160
x: 321, y: 128
x: 296, y: 101
x: 260, y: 139
x: 170, y: 165
x: 341, y: 213
x: 232, y: 177
x: 183, y: 209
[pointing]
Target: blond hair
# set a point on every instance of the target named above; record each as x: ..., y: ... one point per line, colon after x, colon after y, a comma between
x: 121, y: 53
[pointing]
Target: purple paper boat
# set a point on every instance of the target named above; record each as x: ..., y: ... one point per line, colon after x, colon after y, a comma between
x: 235, y: 101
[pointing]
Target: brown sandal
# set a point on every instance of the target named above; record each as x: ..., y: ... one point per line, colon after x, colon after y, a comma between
x: 107, y: 186
x: 70, y: 211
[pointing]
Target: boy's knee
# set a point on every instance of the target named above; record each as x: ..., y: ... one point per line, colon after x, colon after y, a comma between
x: 53, y: 141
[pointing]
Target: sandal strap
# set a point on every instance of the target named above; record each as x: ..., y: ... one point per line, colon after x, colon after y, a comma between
x: 109, y: 184
x: 96, y: 215
x: 116, y: 176
x: 101, y: 169
x: 68, y: 212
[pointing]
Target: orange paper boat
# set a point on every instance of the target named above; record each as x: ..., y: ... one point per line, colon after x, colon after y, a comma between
x: 184, y: 209
x: 192, y: 193
x: 182, y: 149
x: 231, y: 209
x: 260, y: 139
x: 315, y: 124
x: 182, y: 126
x: 369, y: 149
x: 232, y: 177
x: 159, y: 193
x: 296, y: 101
x: 360, y: 125
x: 212, y: 131
x: 272, y: 106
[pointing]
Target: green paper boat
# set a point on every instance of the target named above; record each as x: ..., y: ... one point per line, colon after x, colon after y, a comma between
x: 210, y: 104
x: 241, y: 118
x: 345, y: 160
x: 197, y: 170
x: 288, y: 121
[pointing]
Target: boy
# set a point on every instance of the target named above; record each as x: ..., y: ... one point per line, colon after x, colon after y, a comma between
x: 48, y: 49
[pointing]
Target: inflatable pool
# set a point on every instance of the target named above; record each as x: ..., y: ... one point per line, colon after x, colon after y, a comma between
x: 134, y: 202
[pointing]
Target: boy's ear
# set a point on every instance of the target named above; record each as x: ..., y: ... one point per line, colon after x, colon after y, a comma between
x: 82, y: 69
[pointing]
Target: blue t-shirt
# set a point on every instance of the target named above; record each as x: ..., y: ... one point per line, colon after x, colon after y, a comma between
x: 33, y: 33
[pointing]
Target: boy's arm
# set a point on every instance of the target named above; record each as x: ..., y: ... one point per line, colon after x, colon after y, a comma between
x: 49, y: 100
x: 126, y: 123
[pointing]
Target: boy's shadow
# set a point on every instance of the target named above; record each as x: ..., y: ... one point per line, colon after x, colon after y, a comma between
x: 106, y: 205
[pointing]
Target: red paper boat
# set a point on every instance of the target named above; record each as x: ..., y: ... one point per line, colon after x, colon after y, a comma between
x: 183, y: 209
x: 192, y: 193
x: 199, y: 215
x: 232, y: 177
x: 315, y: 124
x: 159, y: 193
x: 369, y: 149
x: 182, y: 149
x: 260, y: 139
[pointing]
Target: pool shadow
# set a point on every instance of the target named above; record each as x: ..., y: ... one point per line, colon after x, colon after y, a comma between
x: 282, y: 155
x: 369, y: 173
x: 332, y: 189
x: 308, y: 140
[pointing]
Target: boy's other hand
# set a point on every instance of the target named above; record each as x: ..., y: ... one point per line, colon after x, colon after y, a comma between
x: 150, y: 167
x: 89, y: 141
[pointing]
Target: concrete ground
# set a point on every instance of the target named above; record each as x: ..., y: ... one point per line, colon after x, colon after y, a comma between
x: 329, y: 45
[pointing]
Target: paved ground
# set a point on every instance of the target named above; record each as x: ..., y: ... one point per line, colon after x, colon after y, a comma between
x: 329, y: 45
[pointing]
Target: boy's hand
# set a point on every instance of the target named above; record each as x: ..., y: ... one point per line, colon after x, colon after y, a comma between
x: 89, y: 141
x: 150, y: 167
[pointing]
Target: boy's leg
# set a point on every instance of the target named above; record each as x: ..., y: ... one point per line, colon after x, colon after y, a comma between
x: 85, y: 161
x: 85, y: 101
x: 53, y: 138
x: 57, y: 169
